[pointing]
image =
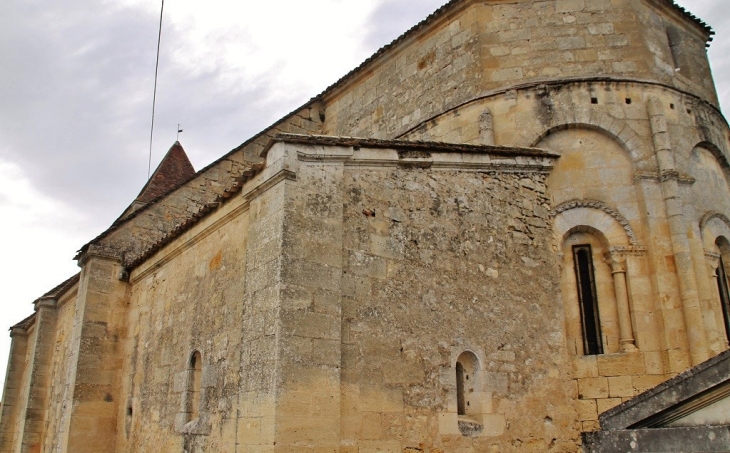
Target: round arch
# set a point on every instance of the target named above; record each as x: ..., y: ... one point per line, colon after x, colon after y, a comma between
x: 713, y: 226
x: 600, y: 122
x: 597, y: 216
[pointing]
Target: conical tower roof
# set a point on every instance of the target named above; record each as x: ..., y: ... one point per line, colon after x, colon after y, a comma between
x: 174, y: 169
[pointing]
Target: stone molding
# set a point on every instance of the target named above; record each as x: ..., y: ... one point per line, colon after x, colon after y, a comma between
x: 433, y: 159
x: 100, y: 251
x: 548, y: 83
x: 601, y: 206
x: 621, y: 252
x: 668, y: 175
x: 714, y: 215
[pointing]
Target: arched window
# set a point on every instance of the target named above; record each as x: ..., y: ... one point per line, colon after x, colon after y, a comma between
x: 195, y: 372
x: 467, y: 400
x: 588, y: 299
x: 595, y: 293
x: 723, y: 286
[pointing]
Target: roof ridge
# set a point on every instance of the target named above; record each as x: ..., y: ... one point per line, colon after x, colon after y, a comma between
x: 382, y: 50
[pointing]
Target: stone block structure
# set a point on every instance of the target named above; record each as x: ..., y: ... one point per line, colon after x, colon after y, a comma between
x: 531, y: 228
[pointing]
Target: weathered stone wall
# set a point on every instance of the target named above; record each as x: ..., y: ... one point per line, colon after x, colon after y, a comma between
x: 188, y: 297
x: 13, y: 390
x: 60, y: 387
x: 443, y: 61
x: 331, y: 300
x: 440, y: 268
x: 480, y: 47
x: 608, y: 180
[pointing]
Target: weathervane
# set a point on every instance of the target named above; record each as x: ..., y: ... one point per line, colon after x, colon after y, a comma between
x: 177, y: 138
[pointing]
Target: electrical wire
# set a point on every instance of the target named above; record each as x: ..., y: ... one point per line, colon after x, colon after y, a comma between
x: 154, y: 93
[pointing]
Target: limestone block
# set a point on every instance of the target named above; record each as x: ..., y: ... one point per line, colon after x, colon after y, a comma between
x: 620, y: 386
x: 605, y: 404
x: 587, y: 410
x: 494, y: 425
x: 585, y: 366
x: 569, y: 6
x: 621, y: 364
x: 593, y: 388
x: 449, y: 424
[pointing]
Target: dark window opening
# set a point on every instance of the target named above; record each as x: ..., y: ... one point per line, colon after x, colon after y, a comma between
x: 195, y: 371
x: 588, y: 300
x: 722, y: 286
x: 460, y: 397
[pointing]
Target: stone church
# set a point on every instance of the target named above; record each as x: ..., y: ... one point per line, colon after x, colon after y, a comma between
x: 510, y: 220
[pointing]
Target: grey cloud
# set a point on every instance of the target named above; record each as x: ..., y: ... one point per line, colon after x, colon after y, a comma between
x: 76, y: 105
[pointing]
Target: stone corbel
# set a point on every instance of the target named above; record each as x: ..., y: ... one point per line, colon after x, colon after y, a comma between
x: 18, y: 332
x: 99, y: 251
x: 45, y: 302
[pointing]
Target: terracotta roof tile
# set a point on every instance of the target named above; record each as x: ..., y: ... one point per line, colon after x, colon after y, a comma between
x: 174, y: 169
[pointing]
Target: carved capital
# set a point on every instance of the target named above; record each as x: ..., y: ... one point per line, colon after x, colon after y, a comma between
x: 713, y: 259
x: 618, y: 264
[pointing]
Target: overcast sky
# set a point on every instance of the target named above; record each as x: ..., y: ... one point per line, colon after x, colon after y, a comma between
x: 76, y: 80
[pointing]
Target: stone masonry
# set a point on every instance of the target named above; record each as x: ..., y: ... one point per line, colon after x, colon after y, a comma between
x: 510, y: 220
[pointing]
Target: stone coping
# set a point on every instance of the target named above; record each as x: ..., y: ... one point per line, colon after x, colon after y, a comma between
x: 406, y: 145
x: 651, y: 407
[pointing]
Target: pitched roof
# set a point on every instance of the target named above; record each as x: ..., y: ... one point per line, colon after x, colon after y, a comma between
x: 138, y: 206
x: 54, y: 293
x: 174, y: 169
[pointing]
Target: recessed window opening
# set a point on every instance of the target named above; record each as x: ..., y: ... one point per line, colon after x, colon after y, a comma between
x: 195, y: 372
x: 594, y: 100
x: 628, y: 100
x: 466, y: 369
x: 460, y: 400
x: 724, y: 289
x: 675, y: 47
x: 588, y: 299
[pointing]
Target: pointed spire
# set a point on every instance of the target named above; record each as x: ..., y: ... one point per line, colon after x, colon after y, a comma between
x: 174, y: 169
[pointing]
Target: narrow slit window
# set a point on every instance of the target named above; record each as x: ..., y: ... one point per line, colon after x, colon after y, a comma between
x: 195, y: 372
x: 460, y: 397
x: 588, y: 300
x: 723, y: 287
x: 676, y: 48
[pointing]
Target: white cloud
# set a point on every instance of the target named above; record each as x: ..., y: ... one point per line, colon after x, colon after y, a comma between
x: 39, y: 235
